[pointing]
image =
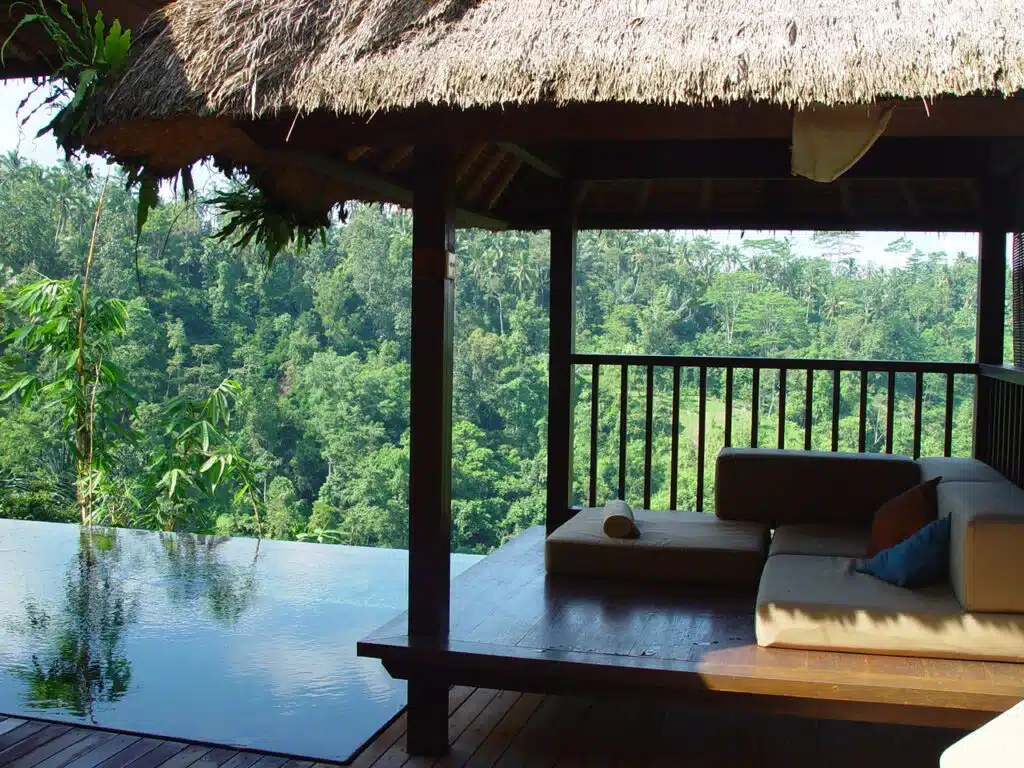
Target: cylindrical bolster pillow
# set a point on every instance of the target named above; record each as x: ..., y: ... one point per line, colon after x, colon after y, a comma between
x: 618, y: 521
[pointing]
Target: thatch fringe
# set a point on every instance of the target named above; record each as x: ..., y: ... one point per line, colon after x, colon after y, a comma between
x: 255, y: 58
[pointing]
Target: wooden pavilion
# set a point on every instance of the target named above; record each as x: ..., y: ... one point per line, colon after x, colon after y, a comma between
x: 546, y: 114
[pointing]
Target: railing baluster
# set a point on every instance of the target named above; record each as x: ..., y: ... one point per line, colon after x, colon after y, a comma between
x: 674, y: 469
x: 947, y: 449
x: 890, y: 412
x: 728, y: 406
x: 595, y: 380
x: 782, y: 408
x: 648, y: 436
x: 809, y: 410
x: 755, y: 406
x: 863, y: 418
x: 835, y: 409
x: 702, y: 409
x: 918, y: 398
x: 623, y: 403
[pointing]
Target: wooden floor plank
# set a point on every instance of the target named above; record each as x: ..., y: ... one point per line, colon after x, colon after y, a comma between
x: 541, y: 740
x: 38, y: 739
x: 471, y: 739
x: 243, y: 760
x: 459, y: 721
x: 396, y: 755
x: 213, y: 758
x: 92, y: 740
x: 505, y: 731
x: 10, y: 723
x: 109, y: 748
x: 23, y: 731
x: 384, y: 741
x: 163, y: 751
x: 130, y: 754
x: 182, y: 758
x: 270, y: 761
x: 38, y: 755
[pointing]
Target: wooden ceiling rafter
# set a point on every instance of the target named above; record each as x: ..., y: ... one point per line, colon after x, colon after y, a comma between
x: 476, y: 186
x: 395, y: 158
x: 511, y: 169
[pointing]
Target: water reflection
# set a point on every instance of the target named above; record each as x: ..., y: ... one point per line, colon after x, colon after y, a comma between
x: 199, y: 638
x: 81, y: 658
x: 195, y: 572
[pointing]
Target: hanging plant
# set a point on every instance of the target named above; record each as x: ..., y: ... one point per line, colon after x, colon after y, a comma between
x: 91, y: 55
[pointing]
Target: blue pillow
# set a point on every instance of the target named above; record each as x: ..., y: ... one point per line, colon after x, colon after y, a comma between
x: 919, y: 561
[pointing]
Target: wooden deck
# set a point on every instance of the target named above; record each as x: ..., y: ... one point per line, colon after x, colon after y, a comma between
x: 513, y: 628
x: 502, y: 729
x: 39, y: 744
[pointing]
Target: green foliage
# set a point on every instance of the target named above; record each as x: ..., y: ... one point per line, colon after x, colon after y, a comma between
x: 64, y: 344
x: 254, y: 218
x: 319, y: 350
x: 91, y: 56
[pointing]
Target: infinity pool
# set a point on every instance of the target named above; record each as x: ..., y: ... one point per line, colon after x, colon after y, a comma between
x: 197, y: 637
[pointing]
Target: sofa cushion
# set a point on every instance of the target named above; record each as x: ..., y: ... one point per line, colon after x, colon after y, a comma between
x: 823, y: 603
x: 918, y: 561
x: 902, y: 517
x: 986, y: 544
x: 815, y: 539
x: 779, y: 487
x: 672, y: 546
x: 958, y: 471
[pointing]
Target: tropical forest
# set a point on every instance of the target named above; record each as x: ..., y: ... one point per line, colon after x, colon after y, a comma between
x: 177, y: 379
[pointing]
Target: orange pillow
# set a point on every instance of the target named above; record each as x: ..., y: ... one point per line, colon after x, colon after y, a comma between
x: 902, y: 517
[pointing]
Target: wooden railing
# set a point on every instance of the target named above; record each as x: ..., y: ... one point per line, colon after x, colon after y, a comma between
x: 736, y: 382
x: 1001, y: 424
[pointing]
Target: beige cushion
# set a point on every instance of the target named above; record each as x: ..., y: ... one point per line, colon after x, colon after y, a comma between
x: 672, y: 546
x: 997, y: 744
x: 822, y: 603
x: 779, y: 487
x: 986, y: 560
x: 827, y: 540
x: 958, y: 471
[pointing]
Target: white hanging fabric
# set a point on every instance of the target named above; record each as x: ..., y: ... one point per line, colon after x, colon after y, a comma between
x: 827, y: 141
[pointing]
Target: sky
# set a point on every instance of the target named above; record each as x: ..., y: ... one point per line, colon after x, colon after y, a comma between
x: 14, y: 135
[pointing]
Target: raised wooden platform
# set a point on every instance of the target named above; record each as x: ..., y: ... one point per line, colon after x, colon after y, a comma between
x: 514, y: 628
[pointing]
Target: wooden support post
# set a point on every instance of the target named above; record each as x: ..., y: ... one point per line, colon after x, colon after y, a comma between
x: 991, y: 316
x: 430, y: 422
x: 560, y: 371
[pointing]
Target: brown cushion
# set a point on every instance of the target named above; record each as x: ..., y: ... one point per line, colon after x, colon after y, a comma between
x: 779, y: 487
x: 902, y: 517
x: 673, y: 546
x: 816, y: 539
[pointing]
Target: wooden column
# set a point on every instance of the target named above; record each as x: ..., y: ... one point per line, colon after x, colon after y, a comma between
x: 991, y: 316
x: 430, y: 450
x: 562, y: 341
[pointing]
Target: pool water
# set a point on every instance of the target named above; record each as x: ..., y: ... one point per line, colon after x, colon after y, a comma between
x: 203, y: 638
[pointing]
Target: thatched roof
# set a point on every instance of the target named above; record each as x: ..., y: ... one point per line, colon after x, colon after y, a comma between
x: 325, y: 99
x: 262, y: 57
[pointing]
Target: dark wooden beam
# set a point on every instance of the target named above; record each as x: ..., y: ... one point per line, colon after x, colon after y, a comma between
x: 504, y: 180
x: 530, y: 125
x: 395, y: 158
x: 477, y: 184
x: 889, y: 158
x: 910, y: 198
x: 778, y: 218
x: 642, y: 196
x: 846, y: 198
x: 562, y: 340
x: 430, y: 429
x: 466, y: 162
x: 532, y: 160
x: 375, y: 184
